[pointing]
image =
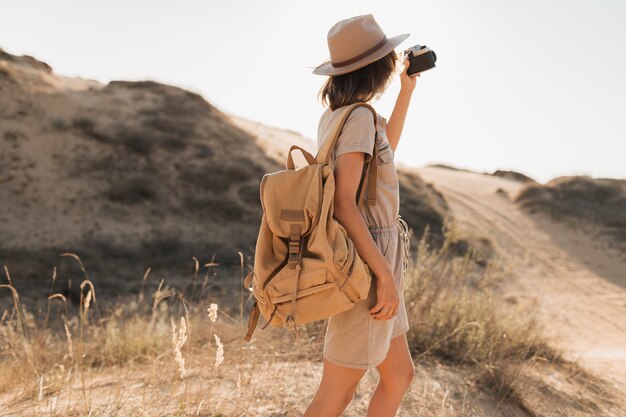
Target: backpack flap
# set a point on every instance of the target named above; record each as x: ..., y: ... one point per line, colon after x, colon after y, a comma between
x: 291, y: 197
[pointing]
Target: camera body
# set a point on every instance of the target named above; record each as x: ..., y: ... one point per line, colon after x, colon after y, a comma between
x: 421, y: 58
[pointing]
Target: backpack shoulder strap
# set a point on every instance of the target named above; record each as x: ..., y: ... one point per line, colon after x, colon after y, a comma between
x: 323, y: 155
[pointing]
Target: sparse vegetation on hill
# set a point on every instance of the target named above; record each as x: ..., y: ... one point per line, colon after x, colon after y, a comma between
x: 581, y: 199
x: 514, y: 175
x: 126, y: 175
x: 132, y: 174
x: 447, y: 166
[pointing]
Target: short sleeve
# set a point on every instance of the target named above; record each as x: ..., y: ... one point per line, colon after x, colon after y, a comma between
x: 358, y: 133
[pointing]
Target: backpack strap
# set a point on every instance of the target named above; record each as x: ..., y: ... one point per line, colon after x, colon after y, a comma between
x: 323, y: 155
x: 253, y: 320
x: 309, y: 158
x: 370, y: 174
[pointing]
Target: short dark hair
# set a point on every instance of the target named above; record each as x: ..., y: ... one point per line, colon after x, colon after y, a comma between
x: 362, y: 84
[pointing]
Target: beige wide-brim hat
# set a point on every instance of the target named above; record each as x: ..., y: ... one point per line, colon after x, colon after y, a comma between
x: 355, y: 42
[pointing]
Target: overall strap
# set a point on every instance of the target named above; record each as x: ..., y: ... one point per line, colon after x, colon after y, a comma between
x: 369, y: 173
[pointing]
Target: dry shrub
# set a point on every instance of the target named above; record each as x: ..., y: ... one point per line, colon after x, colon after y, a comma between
x: 580, y: 199
x: 134, y: 338
x: 459, y: 316
x: 513, y: 175
x: 132, y: 190
x: 5, y: 74
x: 422, y: 206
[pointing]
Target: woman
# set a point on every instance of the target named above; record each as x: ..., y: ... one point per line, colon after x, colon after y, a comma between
x: 362, y: 63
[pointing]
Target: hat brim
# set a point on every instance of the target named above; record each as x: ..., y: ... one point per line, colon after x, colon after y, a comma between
x: 327, y: 68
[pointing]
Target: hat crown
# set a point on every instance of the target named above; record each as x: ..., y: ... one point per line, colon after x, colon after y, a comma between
x: 352, y: 37
x: 354, y: 43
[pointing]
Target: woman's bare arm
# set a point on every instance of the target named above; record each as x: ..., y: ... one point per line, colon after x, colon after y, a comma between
x: 397, y: 118
x: 395, y: 124
x: 348, y: 168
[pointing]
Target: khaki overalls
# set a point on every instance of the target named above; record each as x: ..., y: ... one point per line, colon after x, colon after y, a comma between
x: 354, y: 338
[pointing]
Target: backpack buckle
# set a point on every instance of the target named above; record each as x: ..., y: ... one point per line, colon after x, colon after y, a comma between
x: 295, y: 249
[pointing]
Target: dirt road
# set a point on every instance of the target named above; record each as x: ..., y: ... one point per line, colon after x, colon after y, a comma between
x: 578, y: 280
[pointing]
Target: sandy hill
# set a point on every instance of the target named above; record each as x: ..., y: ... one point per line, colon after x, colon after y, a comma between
x: 131, y: 175
x: 127, y: 175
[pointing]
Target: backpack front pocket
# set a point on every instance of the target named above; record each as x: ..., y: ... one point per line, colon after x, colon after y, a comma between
x: 316, y: 302
x: 281, y: 286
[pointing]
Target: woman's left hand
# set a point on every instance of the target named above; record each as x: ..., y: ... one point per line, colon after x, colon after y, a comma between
x: 408, y: 82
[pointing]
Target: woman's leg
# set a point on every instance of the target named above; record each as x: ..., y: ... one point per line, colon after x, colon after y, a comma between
x: 396, y: 374
x: 335, y: 391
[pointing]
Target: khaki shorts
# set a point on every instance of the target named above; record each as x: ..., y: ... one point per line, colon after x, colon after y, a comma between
x: 354, y: 338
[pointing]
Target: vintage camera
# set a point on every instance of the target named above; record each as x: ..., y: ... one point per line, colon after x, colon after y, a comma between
x: 421, y: 58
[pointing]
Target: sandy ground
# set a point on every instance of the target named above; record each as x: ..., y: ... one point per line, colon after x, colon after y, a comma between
x: 578, y: 280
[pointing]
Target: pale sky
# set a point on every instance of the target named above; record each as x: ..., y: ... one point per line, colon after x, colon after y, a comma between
x: 533, y: 86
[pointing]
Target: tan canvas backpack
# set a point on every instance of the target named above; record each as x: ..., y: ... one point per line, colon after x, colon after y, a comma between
x: 306, y: 268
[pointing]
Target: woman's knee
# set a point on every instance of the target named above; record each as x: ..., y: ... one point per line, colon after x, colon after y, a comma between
x: 400, y: 379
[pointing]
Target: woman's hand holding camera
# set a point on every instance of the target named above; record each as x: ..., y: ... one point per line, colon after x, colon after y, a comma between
x: 387, y: 297
x: 408, y: 82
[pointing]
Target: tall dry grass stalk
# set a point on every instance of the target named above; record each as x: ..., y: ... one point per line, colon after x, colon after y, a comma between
x: 86, y: 281
x: 178, y: 340
x: 160, y: 295
x: 219, y: 353
x: 91, y: 293
x: 17, y: 307
x: 205, y: 281
x: 54, y: 278
x: 140, y: 296
x: 70, y: 345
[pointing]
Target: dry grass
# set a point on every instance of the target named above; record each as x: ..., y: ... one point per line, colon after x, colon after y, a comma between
x: 460, y: 318
x: 165, y: 354
x: 462, y: 315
